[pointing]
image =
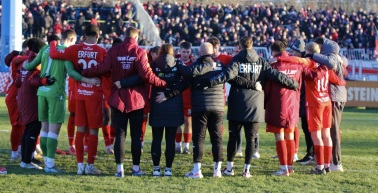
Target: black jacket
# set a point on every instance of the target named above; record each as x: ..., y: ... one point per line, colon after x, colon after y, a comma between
x: 208, y: 99
x: 245, y: 69
x: 170, y: 112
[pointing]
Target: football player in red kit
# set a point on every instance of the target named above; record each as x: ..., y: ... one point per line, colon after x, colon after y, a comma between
x: 186, y: 58
x: 89, y: 98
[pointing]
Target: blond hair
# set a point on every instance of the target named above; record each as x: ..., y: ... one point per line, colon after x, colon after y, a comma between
x: 313, y: 48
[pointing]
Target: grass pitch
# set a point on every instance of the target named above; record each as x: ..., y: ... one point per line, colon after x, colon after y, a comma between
x: 359, y: 150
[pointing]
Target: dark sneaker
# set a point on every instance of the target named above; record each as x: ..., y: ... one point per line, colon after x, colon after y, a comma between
x: 317, y: 171
x: 138, y: 173
x: 327, y: 170
x: 306, y: 160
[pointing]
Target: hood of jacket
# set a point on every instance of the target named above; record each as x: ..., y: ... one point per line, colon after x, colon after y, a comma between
x: 165, y: 62
x: 330, y: 47
x: 248, y: 55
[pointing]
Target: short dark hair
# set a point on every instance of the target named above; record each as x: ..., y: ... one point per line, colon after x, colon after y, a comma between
x: 278, y: 46
x: 155, y: 49
x: 131, y: 32
x: 92, y: 30
x: 25, y: 44
x: 185, y: 45
x: 68, y: 34
x: 35, y: 44
x: 319, y: 40
x: 116, y: 41
x: 246, y: 42
x: 52, y: 38
x: 213, y: 41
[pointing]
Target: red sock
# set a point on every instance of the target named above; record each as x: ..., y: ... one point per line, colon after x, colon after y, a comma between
x: 71, y: 130
x: 290, y: 145
x: 79, y: 146
x: 327, y: 154
x: 16, y: 135
x: 296, y: 139
x: 178, y: 137
x: 222, y: 129
x: 86, y: 137
x: 144, y: 124
x: 319, y: 154
x: 112, y: 134
x: 106, y: 134
x: 187, y: 137
x: 92, y: 148
x: 281, y: 152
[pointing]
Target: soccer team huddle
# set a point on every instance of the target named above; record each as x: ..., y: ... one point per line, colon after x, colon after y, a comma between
x: 120, y: 87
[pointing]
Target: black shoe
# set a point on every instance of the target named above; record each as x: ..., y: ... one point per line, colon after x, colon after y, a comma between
x: 36, y: 161
x: 306, y: 160
x: 317, y: 171
x: 327, y: 170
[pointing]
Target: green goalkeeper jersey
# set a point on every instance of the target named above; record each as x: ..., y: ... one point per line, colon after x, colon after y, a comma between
x: 57, y: 69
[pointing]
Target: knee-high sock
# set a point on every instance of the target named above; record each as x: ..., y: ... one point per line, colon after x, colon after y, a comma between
x: 16, y: 135
x: 86, y: 137
x: 52, y: 144
x: 290, y: 145
x: 79, y: 143
x: 296, y: 139
x: 106, y: 134
x: 281, y: 152
x: 71, y: 130
x: 92, y: 148
x: 187, y: 137
x: 327, y: 155
x: 178, y: 137
x: 43, y: 139
x: 319, y: 153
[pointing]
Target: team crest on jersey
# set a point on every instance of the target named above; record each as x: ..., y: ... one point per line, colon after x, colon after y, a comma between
x: 126, y: 66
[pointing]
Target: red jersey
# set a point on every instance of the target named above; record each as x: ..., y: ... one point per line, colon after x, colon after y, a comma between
x: 12, y: 89
x: 223, y: 58
x: 83, y: 56
x: 186, y: 93
x: 317, y: 93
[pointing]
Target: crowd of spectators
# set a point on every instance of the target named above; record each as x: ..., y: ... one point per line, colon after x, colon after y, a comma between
x: 195, y: 22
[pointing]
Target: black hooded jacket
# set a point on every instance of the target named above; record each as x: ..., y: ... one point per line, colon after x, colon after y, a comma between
x: 208, y: 99
x: 247, y: 68
x: 170, y: 112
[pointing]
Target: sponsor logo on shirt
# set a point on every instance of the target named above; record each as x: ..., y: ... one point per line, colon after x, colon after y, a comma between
x: 126, y: 66
x: 289, y: 72
x: 85, y: 92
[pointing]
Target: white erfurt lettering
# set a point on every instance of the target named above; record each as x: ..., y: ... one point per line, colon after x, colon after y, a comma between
x: 87, y: 54
x: 250, y: 68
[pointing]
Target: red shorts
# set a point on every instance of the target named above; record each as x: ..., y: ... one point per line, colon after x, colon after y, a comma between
x: 274, y: 129
x: 319, y: 117
x: 89, y: 113
x: 71, y: 105
x: 14, y: 115
x: 187, y: 111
